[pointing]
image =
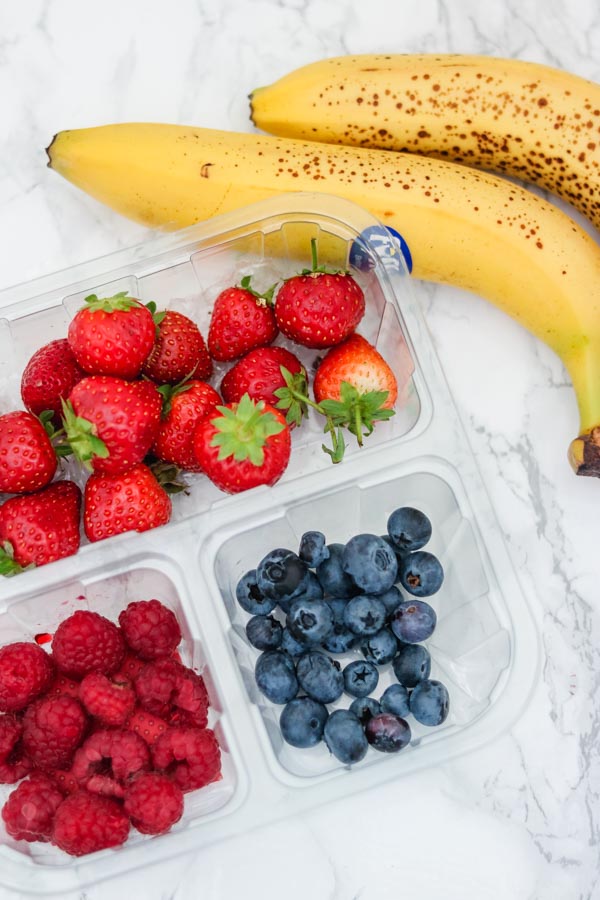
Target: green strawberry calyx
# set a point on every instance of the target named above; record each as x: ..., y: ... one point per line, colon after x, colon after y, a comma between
x: 317, y: 269
x: 168, y: 391
x: 357, y: 412
x: 264, y: 299
x: 82, y: 437
x: 119, y: 302
x: 242, y: 430
x: 168, y: 475
x: 158, y: 316
x: 57, y: 436
x: 8, y: 564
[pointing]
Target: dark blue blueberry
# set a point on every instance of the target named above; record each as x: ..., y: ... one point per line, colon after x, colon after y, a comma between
x: 391, y: 600
x: 360, y: 678
x: 364, y: 615
x: 371, y: 563
x: 340, y: 640
x: 276, y: 676
x: 312, y: 590
x: 395, y: 700
x: 413, y: 621
x: 338, y: 606
x: 310, y: 621
x: 412, y: 665
x: 409, y: 529
x: 390, y: 543
x: 365, y: 708
x: 320, y: 677
x: 313, y: 549
x: 345, y: 737
x: 281, y: 574
x: 421, y: 573
x: 335, y: 582
x: 290, y: 644
x: 251, y: 598
x: 429, y: 702
x: 380, y: 648
x: 387, y: 733
x: 302, y: 722
x: 264, y: 632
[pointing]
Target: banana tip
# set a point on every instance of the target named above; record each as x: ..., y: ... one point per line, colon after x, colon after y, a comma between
x: 48, y: 149
x: 584, y: 453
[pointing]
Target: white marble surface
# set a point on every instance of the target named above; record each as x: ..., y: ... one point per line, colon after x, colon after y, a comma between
x: 520, y: 820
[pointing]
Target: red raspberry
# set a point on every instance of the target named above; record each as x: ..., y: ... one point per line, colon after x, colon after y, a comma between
x: 108, y: 702
x: 85, y: 823
x: 154, y: 803
x: 169, y: 690
x: 64, y: 780
x: 29, y: 811
x: 131, y: 666
x: 60, y: 684
x: 148, y: 727
x: 190, y: 756
x: 150, y: 629
x: 25, y: 672
x: 108, y: 759
x: 14, y: 764
x: 53, y: 728
x: 87, y: 642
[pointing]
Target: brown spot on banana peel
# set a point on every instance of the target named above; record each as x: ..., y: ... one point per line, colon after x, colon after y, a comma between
x: 584, y: 453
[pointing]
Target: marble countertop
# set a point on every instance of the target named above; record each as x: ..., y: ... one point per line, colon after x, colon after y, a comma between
x: 520, y: 819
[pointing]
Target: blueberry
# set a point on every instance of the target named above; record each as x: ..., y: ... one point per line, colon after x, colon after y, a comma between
x: 395, y: 700
x: 251, y: 598
x: 391, y: 599
x: 409, y: 529
x: 320, y: 677
x: 370, y: 562
x: 302, y: 722
x: 345, y: 737
x: 390, y: 543
x: 281, y: 574
x: 387, y: 733
x: 380, y: 648
x: 412, y: 665
x: 360, y: 678
x: 276, y: 676
x: 312, y: 591
x: 429, y: 702
x: 340, y: 640
x: 364, y: 615
x: 264, y: 632
x: 313, y: 549
x: 338, y: 606
x: 421, y: 573
x: 310, y: 621
x: 335, y: 582
x: 365, y: 708
x: 290, y: 644
x: 413, y: 621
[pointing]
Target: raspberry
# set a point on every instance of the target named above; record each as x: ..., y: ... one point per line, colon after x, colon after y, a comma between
x: 60, y: 684
x: 14, y: 764
x: 154, y: 803
x: 131, y: 666
x: 148, y: 727
x: 108, y: 702
x: 53, y: 728
x: 29, y: 811
x: 150, y: 629
x: 87, y: 642
x: 108, y: 759
x: 65, y: 781
x: 25, y: 672
x: 190, y: 756
x: 85, y: 823
x: 167, y: 689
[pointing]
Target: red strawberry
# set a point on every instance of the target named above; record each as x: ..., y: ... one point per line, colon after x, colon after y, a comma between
x: 245, y: 445
x: 319, y: 308
x: 187, y: 404
x: 49, y: 377
x: 241, y: 320
x: 259, y: 375
x: 179, y: 350
x: 39, y: 528
x: 133, y: 501
x: 112, y: 335
x: 27, y: 458
x: 110, y: 423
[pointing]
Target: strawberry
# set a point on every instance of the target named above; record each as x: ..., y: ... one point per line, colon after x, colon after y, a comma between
x: 184, y: 407
x: 112, y: 335
x: 27, y: 458
x: 39, y: 528
x: 179, y: 350
x: 110, y: 423
x: 241, y: 320
x: 49, y: 377
x: 244, y: 445
x: 259, y: 374
x: 132, y: 501
x: 318, y: 308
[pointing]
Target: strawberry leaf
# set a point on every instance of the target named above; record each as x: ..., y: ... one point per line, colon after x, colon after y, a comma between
x: 8, y: 564
x: 293, y: 398
x: 357, y: 412
x: 119, y: 301
x: 242, y: 431
x: 81, y: 437
x: 264, y: 299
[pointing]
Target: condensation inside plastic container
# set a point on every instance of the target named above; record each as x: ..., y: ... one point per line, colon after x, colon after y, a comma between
x: 470, y: 647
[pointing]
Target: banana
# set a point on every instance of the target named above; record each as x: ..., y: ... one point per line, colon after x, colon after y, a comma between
x: 463, y: 227
x: 522, y: 119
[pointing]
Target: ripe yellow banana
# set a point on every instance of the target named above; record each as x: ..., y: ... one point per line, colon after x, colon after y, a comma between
x: 518, y: 118
x: 463, y: 227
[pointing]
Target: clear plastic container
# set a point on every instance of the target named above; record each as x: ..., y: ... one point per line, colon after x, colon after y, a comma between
x: 484, y: 648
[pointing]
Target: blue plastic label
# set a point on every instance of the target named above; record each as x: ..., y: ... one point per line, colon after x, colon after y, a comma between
x: 386, y: 242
